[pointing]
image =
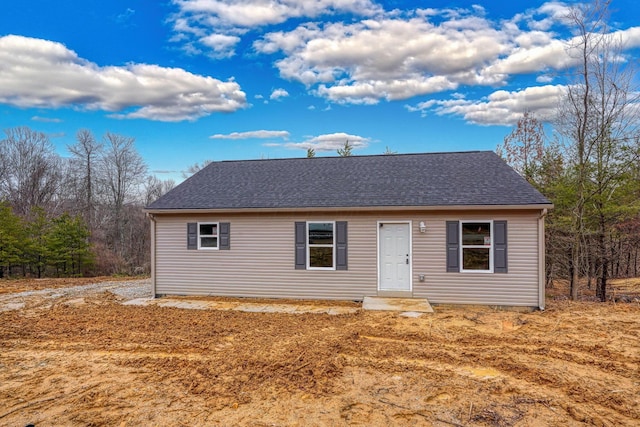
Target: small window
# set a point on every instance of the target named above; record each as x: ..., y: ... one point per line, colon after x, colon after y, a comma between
x: 320, y: 239
x: 477, y: 246
x: 207, y: 235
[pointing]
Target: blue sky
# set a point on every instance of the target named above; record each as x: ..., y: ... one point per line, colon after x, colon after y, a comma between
x: 192, y: 80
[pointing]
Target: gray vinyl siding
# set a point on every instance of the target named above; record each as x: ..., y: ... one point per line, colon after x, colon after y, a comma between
x: 261, y: 260
x: 518, y: 287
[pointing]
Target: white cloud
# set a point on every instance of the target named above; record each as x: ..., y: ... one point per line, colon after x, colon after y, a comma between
x: 373, y: 54
x: 390, y: 58
x: 399, y: 56
x: 536, y: 52
x: 278, y: 93
x: 125, y: 16
x: 221, y: 45
x: 501, y: 107
x: 553, y: 12
x: 533, y: 58
x: 233, y: 17
x: 371, y: 92
x: 545, y: 17
x: 545, y: 78
x: 46, y: 119
x: 262, y: 134
x: 256, y: 13
x: 630, y: 38
x: 46, y: 74
x: 330, y: 142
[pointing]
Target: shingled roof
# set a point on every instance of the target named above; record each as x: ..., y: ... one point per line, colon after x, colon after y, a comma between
x: 400, y: 180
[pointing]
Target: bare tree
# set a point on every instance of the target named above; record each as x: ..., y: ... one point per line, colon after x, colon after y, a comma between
x: 4, y: 173
x: 523, y: 148
x: 85, y: 153
x: 30, y: 173
x: 616, y: 121
x: 122, y: 172
x: 155, y: 187
x: 195, y: 168
x: 597, y: 119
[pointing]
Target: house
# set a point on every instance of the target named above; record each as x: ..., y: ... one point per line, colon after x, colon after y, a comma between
x: 456, y: 228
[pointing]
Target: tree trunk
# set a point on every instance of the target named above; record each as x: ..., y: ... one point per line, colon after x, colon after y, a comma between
x: 573, y: 268
x: 603, y: 283
x: 619, y: 259
x: 601, y: 289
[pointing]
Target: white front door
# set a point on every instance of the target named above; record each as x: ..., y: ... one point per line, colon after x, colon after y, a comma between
x: 394, y: 255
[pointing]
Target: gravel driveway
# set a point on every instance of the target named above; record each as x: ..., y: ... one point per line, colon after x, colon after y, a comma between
x: 126, y: 290
x: 140, y: 292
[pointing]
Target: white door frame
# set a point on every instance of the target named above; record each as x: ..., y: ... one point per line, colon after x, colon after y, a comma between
x: 410, y: 224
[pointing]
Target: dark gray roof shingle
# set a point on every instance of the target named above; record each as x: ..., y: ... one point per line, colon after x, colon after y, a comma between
x: 431, y: 179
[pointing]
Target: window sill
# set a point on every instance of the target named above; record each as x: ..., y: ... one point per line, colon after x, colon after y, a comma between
x: 477, y: 271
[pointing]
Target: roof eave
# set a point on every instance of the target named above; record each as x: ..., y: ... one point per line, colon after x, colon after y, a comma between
x: 539, y: 206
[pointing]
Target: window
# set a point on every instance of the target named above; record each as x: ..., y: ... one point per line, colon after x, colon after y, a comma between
x: 320, y: 246
x: 476, y: 244
x: 207, y: 235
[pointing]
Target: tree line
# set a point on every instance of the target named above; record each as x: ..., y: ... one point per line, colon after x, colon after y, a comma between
x: 76, y: 215
x: 590, y: 169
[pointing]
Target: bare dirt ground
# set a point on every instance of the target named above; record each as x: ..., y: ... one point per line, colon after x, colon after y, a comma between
x: 71, y: 359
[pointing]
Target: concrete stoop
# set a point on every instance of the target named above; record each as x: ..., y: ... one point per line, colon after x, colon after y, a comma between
x: 406, y: 305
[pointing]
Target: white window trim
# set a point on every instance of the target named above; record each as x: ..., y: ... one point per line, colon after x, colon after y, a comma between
x: 463, y: 247
x: 217, y: 236
x: 333, y: 245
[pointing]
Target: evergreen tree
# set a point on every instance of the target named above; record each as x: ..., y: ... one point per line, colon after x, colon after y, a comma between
x: 68, y: 245
x: 346, y: 149
x: 36, y: 245
x: 11, y: 240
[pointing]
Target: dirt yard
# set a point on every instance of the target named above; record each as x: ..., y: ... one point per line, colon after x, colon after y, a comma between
x: 90, y: 361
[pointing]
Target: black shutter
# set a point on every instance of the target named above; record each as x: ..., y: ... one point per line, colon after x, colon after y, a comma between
x: 341, y: 245
x: 192, y: 235
x: 453, y: 247
x: 301, y: 245
x: 499, y: 246
x: 224, y: 234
